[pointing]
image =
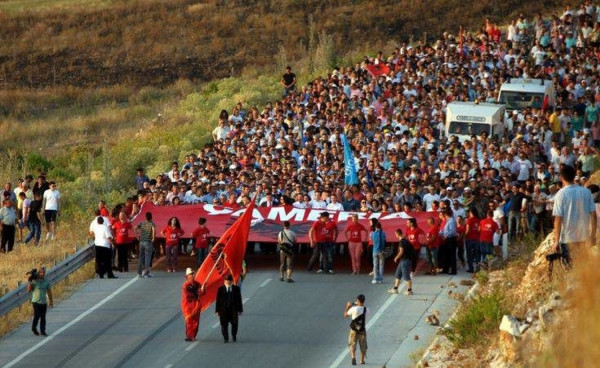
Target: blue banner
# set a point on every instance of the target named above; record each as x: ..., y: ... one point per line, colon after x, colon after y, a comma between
x: 350, y: 175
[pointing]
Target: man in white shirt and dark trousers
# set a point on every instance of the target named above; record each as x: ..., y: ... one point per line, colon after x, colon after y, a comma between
x: 358, y: 327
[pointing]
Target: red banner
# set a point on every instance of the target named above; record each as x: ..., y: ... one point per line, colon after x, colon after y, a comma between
x: 225, y: 258
x: 267, y: 222
x: 378, y: 69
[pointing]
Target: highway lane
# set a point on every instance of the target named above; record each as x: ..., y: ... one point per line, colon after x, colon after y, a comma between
x: 284, y: 325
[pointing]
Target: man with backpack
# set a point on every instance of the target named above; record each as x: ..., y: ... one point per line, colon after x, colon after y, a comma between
x: 358, y: 327
x: 286, y: 239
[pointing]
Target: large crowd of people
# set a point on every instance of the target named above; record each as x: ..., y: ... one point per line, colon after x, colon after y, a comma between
x: 394, y: 123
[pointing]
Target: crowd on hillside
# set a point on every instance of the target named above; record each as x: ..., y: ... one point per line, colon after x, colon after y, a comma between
x: 394, y: 123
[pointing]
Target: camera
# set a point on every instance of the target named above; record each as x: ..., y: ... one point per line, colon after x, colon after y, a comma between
x: 33, y: 275
x: 554, y: 257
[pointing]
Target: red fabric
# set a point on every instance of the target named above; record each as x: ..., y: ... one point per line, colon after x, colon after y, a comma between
x: 267, y: 222
x: 433, y: 233
x: 473, y: 224
x: 413, y: 237
x: 172, y: 234
x: 377, y: 69
x: 190, y: 308
x: 487, y: 229
x: 201, y: 236
x: 324, y: 231
x: 356, y: 230
x: 225, y: 257
x: 121, y: 231
x: 104, y: 212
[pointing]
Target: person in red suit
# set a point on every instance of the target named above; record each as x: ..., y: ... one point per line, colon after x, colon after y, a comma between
x: 191, y: 293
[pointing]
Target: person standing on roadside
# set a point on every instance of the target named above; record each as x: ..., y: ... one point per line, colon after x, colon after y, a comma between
x: 146, y: 231
x: 191, y: 307
x: 8, y: 220
x: 404, y: 259
x: 358, y: 327
x: 286, y: 240
x: 51, y: 210
x: 574, y: 216
x: 100, y: 231
x: 356, y: 234
x: 378, y: 238
x: 32, y: 216
x: 322, y: 235
x: 40, y: 288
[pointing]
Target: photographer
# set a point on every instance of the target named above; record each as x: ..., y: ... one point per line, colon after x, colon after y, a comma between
x: 39, y: 287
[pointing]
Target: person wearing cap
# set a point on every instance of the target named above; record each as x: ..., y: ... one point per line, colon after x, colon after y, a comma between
x: 322, y: 235
x: 357, y: 312
x: 191, y: 307
x: 40, y: 288
x: 228, y: 307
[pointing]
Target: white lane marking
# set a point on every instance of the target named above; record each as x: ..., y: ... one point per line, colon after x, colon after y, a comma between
x: 264, y: 283
x: 370, y: 324
x: 169, y: 366
x: 192, y: 345
x: 68, y: 325
x: 216, y: 325
x: 245, y: 300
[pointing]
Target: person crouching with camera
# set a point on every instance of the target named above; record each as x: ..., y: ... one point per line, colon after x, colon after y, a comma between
x: 39, y: 287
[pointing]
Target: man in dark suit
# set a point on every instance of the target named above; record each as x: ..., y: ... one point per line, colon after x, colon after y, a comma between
x: 228, y: 307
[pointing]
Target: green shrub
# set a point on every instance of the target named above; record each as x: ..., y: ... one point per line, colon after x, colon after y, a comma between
x: 476, y: 320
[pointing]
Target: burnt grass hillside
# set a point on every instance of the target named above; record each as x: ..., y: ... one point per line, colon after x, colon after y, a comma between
x: 155, y: 42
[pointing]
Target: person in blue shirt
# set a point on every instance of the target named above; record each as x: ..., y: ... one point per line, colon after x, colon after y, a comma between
x: 449, y: 235
x: 378, y: 238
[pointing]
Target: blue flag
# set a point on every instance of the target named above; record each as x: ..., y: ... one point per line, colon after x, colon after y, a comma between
x: 350, y: 175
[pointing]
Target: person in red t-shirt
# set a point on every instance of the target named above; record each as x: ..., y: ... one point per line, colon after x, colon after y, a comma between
x: 201, y: 234
x: 323, y: 235
x: 356, y: 234
x: 412, y: 233
x: 433, y: 243
x: 487, y: 228
x: 172, y: 233
x: 472, y: 241
x: 123, y: 241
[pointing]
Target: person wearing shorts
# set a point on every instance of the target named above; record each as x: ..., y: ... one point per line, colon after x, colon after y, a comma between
x: 355, y: 311
x: 404, y: 260
x: 51, y: 207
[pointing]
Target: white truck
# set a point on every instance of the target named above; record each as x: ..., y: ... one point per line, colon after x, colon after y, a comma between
x: 465, y: 119
x: 521, y: 93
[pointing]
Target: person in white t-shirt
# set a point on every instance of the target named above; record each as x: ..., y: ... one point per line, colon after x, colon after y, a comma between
x: 357, y: 312
x: 100, y: 232
x: 51, y: 208
x: 429, y: 198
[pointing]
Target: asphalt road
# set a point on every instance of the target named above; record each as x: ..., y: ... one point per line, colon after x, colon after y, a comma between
x: 132, y: 322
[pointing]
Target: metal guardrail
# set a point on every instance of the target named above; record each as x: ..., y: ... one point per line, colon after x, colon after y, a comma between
x: 18, y: 296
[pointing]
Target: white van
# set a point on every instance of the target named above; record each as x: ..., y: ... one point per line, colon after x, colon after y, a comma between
x: 465, y: 119
x: 520, y: 93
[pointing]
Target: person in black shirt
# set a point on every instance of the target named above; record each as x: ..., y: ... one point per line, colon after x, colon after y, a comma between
x: 514, y: 211
x: 288, y: 81
x: 403, y: 258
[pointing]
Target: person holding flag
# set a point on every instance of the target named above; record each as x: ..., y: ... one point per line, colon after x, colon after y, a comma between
x: 190, y: 304
x: 350, y: 174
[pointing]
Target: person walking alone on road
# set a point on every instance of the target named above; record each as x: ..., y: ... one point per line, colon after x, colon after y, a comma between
x: 286, y: 239
x: 228, y: 307
x: 190, y: 304
x: 378, y: 237
x: 39, y: 288
x: 356, y: 235
x: 358, y: 327
x: 404, y: 259
x: 146, y: 232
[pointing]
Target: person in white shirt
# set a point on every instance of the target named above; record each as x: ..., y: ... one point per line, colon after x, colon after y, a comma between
x: 525, y: 167
x: 100, y: 232
x: 357, y: 312
x: 429, y: 198
x: 335, y: 205
x: 51, y: 205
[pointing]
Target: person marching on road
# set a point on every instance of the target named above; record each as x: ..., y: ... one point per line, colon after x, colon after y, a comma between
x: 146, y: 231
x: 358, y: 327
x: 39, y: 287
x: 323, y: 234
x: 356, y: 234
x: 228, y: 307
x: 286, y: 239
x: 190, y: 304
x: 404, y: 259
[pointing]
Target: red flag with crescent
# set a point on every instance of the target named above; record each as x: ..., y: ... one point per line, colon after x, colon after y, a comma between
x: 225, y: 257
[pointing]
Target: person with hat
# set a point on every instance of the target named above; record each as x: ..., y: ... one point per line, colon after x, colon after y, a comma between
x: 39, y: 288
x: 323, y: 234
x: 191, y: 307
x: 228, y: 307
x: 358, y: 327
